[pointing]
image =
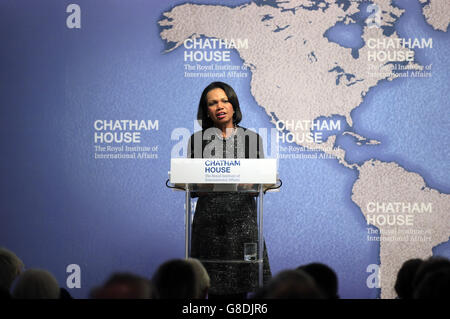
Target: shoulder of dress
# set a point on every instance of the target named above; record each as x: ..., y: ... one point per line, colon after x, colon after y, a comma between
x: 247, y: 131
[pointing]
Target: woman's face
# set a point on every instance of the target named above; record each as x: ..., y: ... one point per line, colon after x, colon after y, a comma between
x: 220, y: 110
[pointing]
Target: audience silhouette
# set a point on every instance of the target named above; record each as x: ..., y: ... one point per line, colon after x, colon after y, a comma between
x: 124, y: 286
x: 325, y: 278
x: 432, y: 279
x: 404, y: 283
x: 188, y: 279
x: 175, y: 279
x: 202, y: 278
x: 36, y: 284
x: 290, y: 284
x: 11, y: 267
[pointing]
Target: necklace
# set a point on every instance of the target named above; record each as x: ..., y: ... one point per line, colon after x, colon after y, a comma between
x: 220, y: 133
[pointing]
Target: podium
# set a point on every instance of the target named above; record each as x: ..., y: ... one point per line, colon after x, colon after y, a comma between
x: 211, y: 175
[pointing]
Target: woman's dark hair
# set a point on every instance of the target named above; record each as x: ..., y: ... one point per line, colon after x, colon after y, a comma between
x: 202, y: 113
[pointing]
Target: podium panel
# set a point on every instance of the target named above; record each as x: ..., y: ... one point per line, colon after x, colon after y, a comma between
x: 223, y: 171
x: 249, y: 177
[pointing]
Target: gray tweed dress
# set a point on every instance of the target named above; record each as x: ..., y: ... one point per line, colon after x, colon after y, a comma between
x: 224, y: 221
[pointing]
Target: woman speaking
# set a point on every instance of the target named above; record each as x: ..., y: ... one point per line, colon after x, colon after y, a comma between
x: 224, y: 221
